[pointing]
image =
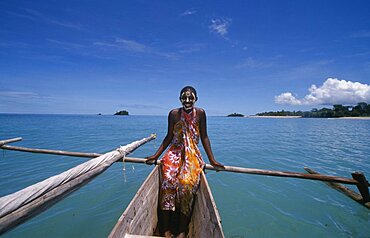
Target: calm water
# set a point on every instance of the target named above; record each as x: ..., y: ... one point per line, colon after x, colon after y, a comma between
x: 249, y: 205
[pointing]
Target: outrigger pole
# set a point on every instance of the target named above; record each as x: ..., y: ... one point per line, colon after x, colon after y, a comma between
x: 358, y: 179
x: 17, y: 207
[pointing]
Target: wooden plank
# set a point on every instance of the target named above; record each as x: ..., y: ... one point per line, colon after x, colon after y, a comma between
x: 205, y: 221
x: 139, y: 236
x: 137, y: 213
x: 140, y: 216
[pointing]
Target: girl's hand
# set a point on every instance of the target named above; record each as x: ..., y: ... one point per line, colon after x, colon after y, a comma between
x: 218, y: 165
x: 151, y: 159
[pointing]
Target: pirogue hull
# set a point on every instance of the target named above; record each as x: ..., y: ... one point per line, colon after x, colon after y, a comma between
x: 140, y: 217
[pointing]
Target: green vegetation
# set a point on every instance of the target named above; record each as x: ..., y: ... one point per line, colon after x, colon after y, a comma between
x: 362, y: 109
x: 235, y: 115
x: 122, y: 113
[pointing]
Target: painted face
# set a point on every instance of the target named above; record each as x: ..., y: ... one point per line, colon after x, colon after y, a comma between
x: 188, y: 99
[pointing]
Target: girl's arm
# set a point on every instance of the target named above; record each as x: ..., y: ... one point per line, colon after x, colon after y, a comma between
x: 205, y: 140
x: 166, y: 141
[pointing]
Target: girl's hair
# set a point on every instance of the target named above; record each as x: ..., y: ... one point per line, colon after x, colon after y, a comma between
x: 189, y: 88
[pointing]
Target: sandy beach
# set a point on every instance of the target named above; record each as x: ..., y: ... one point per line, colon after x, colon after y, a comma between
x: 282, y: 117
x: 353, y: 118
x: 292, y: 117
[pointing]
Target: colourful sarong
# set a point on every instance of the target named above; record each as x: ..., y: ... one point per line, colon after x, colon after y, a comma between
x: 181, y: 166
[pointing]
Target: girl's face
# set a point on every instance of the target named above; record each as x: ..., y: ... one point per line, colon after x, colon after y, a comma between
x: 188, y: 99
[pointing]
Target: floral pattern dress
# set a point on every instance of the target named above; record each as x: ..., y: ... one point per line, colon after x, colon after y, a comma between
x: 181, y: 165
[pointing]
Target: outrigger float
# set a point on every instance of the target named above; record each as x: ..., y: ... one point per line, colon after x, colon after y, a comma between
x: 140, y: 217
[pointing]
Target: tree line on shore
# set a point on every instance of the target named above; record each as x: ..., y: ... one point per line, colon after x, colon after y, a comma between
x: 362, y: 109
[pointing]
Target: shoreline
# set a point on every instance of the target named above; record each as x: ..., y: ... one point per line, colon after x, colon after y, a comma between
x: 293, y: 117
x: 352, y: 118
x: 282, y: 117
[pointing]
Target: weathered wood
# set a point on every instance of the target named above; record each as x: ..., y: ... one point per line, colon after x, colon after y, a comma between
x: 129, y: 221
x: 139, y: 236
x: 3, y: 142
x: 320, y: 177
x: 362, y: 185
x: 285, y: 174
x: 54, y: 152
x: 14, y: 217
x: 140, y: 217
x: 205, y: 209
x: 343, y: 189
x: 44, y: 202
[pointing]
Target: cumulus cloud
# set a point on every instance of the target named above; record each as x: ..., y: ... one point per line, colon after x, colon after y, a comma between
x: 333, y: 91
x: 220, y: 26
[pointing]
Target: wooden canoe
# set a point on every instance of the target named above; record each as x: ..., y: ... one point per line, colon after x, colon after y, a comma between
x: 140, y: 217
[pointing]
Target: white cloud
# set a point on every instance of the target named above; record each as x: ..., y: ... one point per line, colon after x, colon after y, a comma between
x: 250, y: 63
x: 188, y: 12
x: 65, y: 44
x: 333, y: 91
x: 126, y: 44
x: 361, y: 34
x: 220, y: 26
x: 37, y: 16
x: 134, y: 46
x: 19, y: 94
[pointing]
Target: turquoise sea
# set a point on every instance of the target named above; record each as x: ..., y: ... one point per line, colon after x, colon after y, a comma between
x: 249, y: 205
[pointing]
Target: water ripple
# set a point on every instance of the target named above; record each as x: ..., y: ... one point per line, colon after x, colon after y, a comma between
x: 250, y: 205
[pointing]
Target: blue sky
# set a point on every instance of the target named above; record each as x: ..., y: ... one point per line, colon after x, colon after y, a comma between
x: 90, y: 57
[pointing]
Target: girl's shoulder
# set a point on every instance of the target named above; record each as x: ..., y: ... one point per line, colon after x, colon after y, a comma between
x: 175, y: 114
x: 175, y: 111
x: 200, y: 111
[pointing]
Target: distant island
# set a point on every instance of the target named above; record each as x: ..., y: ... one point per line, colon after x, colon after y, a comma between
x: 121, y: 113
x: 235, y: 115
x: 362, y: 109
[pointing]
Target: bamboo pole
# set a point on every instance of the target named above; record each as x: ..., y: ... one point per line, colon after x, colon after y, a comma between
x: 343, y: 189
x: 10, y: 218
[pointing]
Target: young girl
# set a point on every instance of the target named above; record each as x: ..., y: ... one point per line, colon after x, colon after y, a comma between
x: 182, y: 164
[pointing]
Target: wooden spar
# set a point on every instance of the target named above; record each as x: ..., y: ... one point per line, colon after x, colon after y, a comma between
x: 268, y: 172
x: 286, y: 174
x: 54, y: 152
x: 347, y: 191
x: 3, y: 142
x: 320, y: 177
x: 362, y: 185
x: 41, y: 202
